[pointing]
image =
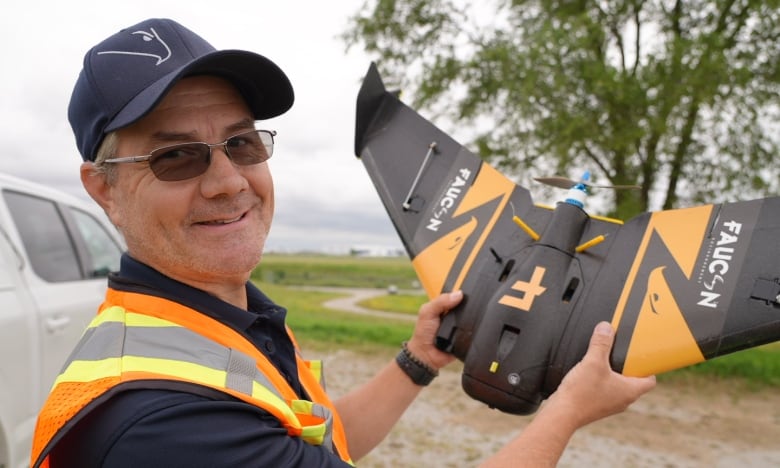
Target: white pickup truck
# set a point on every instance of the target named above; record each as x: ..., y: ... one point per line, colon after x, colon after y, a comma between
x: 55, y: 253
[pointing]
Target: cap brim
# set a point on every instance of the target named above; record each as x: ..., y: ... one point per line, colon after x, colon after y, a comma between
x: 264, y: 86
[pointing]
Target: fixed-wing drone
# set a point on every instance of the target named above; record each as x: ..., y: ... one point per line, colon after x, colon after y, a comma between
x: 680, y: 286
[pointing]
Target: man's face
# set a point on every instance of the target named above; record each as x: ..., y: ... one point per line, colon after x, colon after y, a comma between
x: 208, y: 230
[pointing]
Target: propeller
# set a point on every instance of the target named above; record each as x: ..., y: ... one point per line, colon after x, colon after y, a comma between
x: 566, y: 183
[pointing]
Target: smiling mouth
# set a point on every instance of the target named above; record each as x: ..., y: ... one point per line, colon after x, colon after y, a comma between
x: 220, y: 222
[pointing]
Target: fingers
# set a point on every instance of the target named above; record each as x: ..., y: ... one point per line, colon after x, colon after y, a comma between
x: 592, y: 390
x: 643, y: 385
x: 450, y: 300
x: 601, y: 345
x: 441, y: 304
x: 421, y: 344
x: 601, y: 341
x: 456, y: 296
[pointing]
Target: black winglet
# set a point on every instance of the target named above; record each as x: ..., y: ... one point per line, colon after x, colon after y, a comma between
x: 369, y: 100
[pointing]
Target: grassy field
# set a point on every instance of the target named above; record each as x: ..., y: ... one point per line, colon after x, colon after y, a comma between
x: 760, y: 367
x: 313, y: 323
x: 338, y: 271
x: 401, y: 303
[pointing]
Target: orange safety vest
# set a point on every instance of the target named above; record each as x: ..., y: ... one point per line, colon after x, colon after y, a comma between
x: 167, y: 332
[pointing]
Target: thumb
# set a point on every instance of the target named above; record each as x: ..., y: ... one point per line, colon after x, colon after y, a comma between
x: 454, y: 298
x: 441, y: 304
x: 601, y: 341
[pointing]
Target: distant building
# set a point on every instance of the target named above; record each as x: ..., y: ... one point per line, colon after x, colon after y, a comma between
x: 376, y: 251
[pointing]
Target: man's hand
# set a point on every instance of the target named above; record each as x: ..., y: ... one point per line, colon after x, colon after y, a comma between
x: 421, y: 344
x: 592, y: 390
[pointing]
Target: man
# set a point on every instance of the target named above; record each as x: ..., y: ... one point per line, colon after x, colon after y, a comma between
x: 187, y: 363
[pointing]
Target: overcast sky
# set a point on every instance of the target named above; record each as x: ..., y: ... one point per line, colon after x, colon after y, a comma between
x: 324, y: 197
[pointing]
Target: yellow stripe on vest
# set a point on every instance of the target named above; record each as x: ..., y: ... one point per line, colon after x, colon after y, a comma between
x: 131, y: 319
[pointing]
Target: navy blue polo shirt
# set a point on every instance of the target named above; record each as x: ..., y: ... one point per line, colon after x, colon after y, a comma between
x: 178, y: 428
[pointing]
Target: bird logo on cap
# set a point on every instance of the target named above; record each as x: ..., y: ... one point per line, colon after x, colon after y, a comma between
x: 146, y: 36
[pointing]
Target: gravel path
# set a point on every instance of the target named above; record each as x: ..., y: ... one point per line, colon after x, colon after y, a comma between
x: 675, y: 425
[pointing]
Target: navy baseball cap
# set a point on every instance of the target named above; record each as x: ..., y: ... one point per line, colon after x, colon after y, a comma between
x: 125, y: 77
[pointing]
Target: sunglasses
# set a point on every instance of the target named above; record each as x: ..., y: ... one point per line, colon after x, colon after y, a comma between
x: 187, y: 160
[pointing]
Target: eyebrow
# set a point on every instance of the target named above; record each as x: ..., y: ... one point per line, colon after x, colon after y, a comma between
x: 164, y: 137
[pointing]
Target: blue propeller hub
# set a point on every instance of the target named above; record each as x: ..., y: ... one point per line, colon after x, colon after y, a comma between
x: 579, y: 192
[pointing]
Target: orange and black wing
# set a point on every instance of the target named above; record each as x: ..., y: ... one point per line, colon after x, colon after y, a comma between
x: 702, y: 282
x: 680, y: 286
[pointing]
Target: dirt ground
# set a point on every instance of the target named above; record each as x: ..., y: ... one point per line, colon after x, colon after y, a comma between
x: 676, y: 425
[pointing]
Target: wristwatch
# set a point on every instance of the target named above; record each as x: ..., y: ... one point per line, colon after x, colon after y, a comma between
x: 420, y: 373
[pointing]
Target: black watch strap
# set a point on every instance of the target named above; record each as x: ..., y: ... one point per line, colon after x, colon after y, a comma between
x: 420, y: 373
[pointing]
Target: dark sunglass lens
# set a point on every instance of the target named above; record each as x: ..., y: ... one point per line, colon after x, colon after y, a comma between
x: 247, y: 148
x: 180, y: 162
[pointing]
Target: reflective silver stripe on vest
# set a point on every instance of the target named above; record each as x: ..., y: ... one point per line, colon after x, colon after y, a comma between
x: 114, y: 339
x: 241, y: 372
x: 324, y: 413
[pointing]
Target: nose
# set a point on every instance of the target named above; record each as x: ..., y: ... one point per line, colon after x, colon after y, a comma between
x: 222, y: 177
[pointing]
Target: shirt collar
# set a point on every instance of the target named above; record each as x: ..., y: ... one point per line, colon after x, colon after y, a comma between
x: 135, y: 276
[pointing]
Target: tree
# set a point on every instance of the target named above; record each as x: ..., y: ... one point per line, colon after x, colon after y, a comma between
x: 680, y: 97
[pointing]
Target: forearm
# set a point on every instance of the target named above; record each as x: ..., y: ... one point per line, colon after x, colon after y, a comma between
x: 541, y: 443
x: 370, y: 411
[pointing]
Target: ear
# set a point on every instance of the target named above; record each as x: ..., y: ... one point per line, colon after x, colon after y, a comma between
x: 96, y: 184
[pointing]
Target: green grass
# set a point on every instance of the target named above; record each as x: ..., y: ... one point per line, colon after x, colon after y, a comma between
x: 312, y: 322
x: 758, y: 367
x: 400, y: 303
x: 337, y: 271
